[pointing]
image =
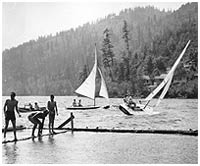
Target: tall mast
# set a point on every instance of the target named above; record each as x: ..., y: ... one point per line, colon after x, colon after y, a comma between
x: 95, y: 62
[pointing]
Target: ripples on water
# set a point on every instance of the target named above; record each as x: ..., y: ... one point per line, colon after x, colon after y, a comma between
x: 173, y: 114
x: 112, y: 148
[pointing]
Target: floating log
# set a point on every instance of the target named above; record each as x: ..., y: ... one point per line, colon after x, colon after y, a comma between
x: 21, y: 127
x: 149, y: 131
x: 27, y: 138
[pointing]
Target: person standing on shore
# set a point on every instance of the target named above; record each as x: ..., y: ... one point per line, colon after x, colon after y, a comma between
x: 9, y: 112
x: 52, y: 107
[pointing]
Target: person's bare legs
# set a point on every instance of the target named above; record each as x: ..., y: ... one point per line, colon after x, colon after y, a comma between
x: 33, y: 131
x: 40, y: 129
x: 14, y: 129
x: 50, y: 122
x: 53, y: 125
x: 5, y: 129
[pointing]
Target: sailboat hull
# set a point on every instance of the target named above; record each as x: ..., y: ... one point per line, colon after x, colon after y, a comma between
x: 139, y: 110
x: 83, y: 108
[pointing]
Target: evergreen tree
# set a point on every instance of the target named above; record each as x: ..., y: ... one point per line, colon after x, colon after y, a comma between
x: 160, y: 65
x: 107, y: 52
x: 149, y: 68
x: 126, y: 55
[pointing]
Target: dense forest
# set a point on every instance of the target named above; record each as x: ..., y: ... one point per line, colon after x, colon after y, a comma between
x: 135, y: 43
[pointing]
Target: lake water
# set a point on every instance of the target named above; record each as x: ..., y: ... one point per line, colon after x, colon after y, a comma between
x: 82, y: 147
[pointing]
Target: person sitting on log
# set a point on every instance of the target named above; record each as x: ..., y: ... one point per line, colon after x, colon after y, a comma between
x: 34, y: 118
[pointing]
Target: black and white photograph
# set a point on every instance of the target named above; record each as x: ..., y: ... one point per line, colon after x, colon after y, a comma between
x: 99, y: 82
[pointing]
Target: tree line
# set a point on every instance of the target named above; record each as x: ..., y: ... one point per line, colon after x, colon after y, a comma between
x: 137, y: 42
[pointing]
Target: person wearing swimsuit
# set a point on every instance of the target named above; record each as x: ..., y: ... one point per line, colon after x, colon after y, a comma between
x: 9, y: 110
x: 34, y: 118
x: 52, y: 107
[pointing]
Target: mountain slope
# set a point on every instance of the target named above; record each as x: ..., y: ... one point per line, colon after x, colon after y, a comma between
x: 53, y: 64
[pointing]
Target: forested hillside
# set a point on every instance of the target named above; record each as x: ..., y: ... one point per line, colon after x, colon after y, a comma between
x: 137, y: 42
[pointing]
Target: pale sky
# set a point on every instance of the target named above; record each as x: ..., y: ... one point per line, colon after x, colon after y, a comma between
x: 24, y: 21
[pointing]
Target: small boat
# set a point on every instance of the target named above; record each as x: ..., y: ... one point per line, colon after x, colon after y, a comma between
x: 21, y: 127
x: 88, y: 87
x: 137, y: 110
x: 83, y: 108
x: 27, y: 110
x: 165, y: 84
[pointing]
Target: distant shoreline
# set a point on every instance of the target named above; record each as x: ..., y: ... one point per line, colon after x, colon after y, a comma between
x: 86, y: 97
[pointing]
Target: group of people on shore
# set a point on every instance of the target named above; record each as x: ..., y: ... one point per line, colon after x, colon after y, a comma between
x: 37, y: 118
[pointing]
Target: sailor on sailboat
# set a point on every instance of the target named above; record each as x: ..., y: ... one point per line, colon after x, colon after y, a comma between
x: 88, y: 87
x: 165, y: 83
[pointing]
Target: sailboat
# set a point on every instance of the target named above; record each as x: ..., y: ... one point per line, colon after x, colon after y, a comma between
x: 88, y: 87
x: 165, y: 84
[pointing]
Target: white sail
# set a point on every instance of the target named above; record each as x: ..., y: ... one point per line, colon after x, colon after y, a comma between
x: 160, y: 86
x: 103, y: 90
x: 165, y: 90
x: 87, y: 88
x: 169, y: 75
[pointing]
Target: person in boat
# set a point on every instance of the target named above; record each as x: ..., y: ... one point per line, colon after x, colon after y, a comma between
x: 35, y: 119
x: 36, y: 107
x: 9, y: 111
x: 74, y: 103
x: 52, y: 107
x: 79, y: 103
x: 131, y: 103
x: 126, y: 99
x: 31, y: 107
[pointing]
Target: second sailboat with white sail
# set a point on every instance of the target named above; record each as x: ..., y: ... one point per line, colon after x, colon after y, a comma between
x: 165, y: 84
x: 88, y: 87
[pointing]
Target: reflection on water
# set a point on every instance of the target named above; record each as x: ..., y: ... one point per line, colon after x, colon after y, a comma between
x: 36, y: 140
x: 51, y: 140
x: 40, y: 140
x: 103, y: 148
x: 11, y: 153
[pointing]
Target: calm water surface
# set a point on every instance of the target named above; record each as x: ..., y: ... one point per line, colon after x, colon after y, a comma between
x: 109, y: 147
